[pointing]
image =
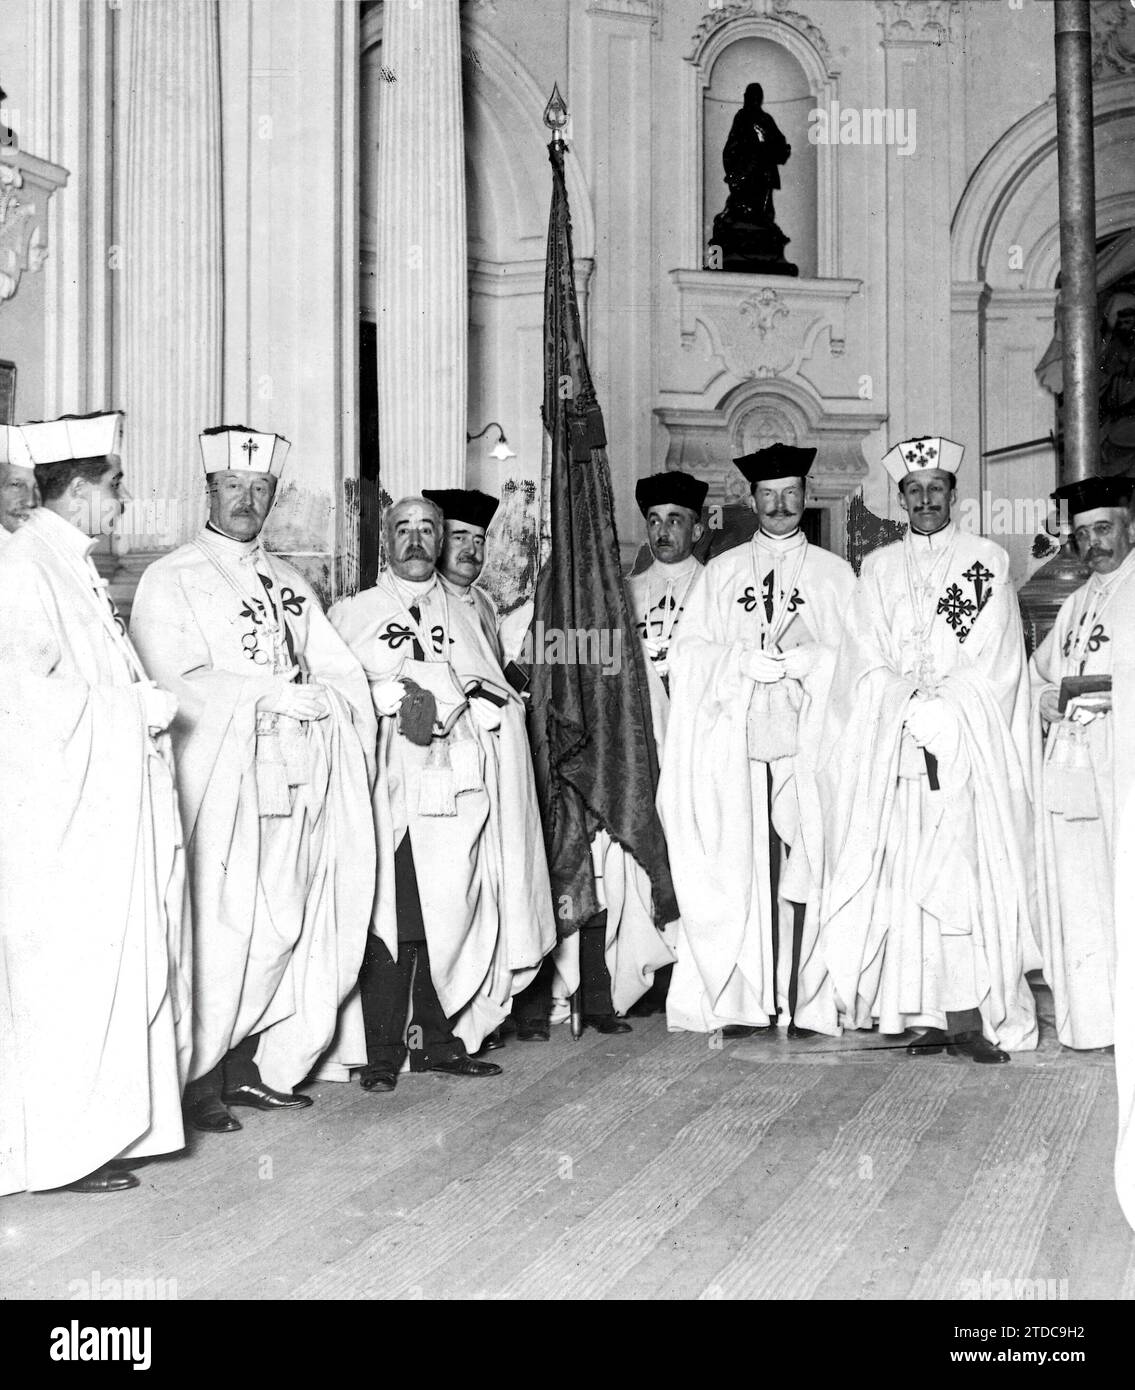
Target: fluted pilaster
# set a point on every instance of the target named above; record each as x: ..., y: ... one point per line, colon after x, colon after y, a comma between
x: 421, y: 258
x: 169, y: 382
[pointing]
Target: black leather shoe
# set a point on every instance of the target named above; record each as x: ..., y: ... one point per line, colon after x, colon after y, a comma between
x: 977, y: 1048
x: 533, y: 1032
x: 463, y: 1066
x: 375, y: 1079
x: 795, y: 1032
x: 608, y: 1023
x: 263, y: 1097
x: 492, y: 1042
x: 210, y: 1116
x: 746, y: 1030
x: 105, y: 1179
x: 934, y: 1040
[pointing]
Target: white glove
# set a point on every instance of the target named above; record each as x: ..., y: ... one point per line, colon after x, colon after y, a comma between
x: 486, y: 714
x: 800, y: 661
x: 762, y: 667
x: 294, y: 701
x: 1050, y: 706
x: 158, y: 706
x: 929, y: 721
x: 387, y: 697
x: 1084, y: 708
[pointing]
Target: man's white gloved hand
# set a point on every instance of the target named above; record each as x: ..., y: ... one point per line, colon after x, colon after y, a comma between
x: 387, y: 697
x: 763, y: 667
x: 800, y: 661
x: 1050, y: 706
x: 1084, y: 708
x: 486, y: 714
x: 929, y: 721
x: 294, y: 701
x: 158, y: 706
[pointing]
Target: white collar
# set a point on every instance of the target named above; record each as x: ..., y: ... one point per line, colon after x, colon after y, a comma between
x: 780, y: 545
x: 935, y: 540
x: 225, y: 544
x: 670, y: 574
x: 416, y: 588
x: 64, y: 533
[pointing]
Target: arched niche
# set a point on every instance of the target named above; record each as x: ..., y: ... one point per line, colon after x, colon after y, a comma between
x: 1005, y: 259
x: 788, y: 99
x: 793, y: 51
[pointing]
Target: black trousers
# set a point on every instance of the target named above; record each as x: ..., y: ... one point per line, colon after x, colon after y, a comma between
x: 794, y: 941
x: 236, y: 1068
x: 534, y: 1004
x: 391, y: 989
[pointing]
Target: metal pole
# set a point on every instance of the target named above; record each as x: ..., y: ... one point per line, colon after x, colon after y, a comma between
x: 1077, y: 181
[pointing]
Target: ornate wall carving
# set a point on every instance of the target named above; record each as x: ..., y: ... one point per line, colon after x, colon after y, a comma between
x: 26, y: 186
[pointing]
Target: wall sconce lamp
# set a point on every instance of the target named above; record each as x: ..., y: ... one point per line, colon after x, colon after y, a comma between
x: 500, y: 451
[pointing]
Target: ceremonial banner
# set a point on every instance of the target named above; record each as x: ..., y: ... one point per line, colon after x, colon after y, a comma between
x: 590, y: 722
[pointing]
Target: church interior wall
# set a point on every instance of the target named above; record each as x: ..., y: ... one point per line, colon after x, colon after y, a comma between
x: 886, y: 333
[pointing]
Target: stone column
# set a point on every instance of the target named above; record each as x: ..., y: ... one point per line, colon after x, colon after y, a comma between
x: 169, y: 373
x: 1077, y: 180
x: 421, y: 254
x: 916, y: 38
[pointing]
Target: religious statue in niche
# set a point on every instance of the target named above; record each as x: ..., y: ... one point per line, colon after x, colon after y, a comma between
x: 745, y: 233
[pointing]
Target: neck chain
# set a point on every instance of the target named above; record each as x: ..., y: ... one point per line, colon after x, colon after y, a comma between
x: 425, y: 637
x: 272, y: 622
x: 921, y: 593
x: 772, y: 629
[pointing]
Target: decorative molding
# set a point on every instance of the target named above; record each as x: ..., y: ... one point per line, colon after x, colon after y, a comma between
x: 26, y: 186
x: 917, y: 21
x: 762, y: 325
x: 775, y: 10
x: 648, y: 10
x: 1113, y: 39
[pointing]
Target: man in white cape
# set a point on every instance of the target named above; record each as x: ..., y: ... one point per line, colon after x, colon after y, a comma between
x: 929, y: 897
x: 671, y: 504
x: 463, y: 912
x: 1079, y: 783
x: 467, y: 513
x: 273, y: 738
x: 749, y: 677
x: 94, y: 964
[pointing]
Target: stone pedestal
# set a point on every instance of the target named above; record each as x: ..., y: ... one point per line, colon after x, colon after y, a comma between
x: 422, y: 320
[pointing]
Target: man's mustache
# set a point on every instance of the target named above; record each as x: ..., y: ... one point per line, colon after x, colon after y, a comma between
x: 1096, y: 553
x: 416, y: 552
x: 466, y: 559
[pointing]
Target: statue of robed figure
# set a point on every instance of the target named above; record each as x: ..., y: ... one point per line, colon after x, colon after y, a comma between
x: 746, y: 231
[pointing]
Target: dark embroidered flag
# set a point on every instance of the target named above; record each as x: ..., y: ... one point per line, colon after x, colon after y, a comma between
x: 590, y: 725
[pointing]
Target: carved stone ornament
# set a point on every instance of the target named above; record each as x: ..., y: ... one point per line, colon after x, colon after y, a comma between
x: 1113, y: 39
x: 772, y: 9
x: 26, y: 185
x: 916, y: 21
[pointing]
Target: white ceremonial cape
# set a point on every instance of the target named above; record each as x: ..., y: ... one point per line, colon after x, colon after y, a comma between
x: 280, y: 902
x: 482, y: 872
x: 94, y: 966
x: 1121, y: 617
x: 714, y: 800
x: 1075, y: 776
x: 929, y: 897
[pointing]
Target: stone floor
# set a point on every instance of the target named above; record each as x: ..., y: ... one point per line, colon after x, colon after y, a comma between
x: 653, y: 1165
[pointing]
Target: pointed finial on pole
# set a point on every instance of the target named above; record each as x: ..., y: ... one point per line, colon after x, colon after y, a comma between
x: 556, y: 114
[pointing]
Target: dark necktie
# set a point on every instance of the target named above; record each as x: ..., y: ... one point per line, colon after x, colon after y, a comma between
x: 415, y: 613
